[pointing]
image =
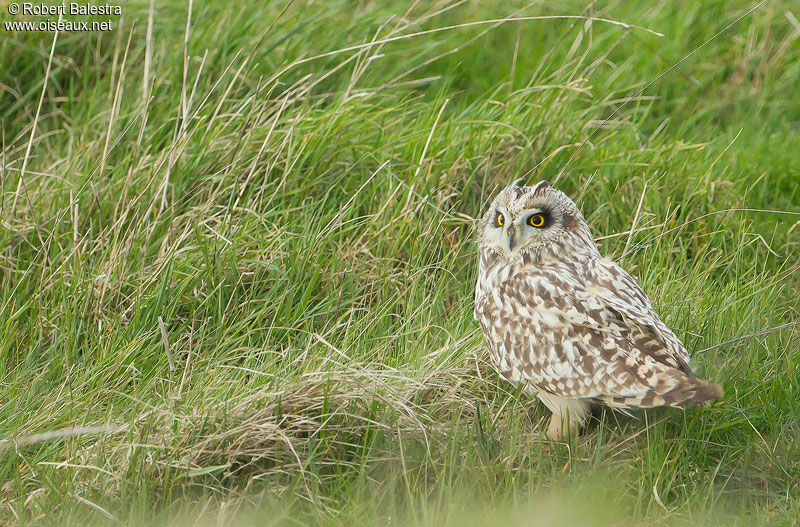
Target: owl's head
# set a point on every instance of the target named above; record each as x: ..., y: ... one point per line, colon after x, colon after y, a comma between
x: 522, y: 219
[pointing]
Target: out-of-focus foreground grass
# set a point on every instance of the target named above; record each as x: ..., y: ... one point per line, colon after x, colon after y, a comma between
x: 293, y: 187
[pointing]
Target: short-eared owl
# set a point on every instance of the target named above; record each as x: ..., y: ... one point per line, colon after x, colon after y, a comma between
x: 574, y: 327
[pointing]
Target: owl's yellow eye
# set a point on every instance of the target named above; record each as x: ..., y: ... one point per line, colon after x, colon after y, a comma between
x: 536, y: 220
x: 500, y: 220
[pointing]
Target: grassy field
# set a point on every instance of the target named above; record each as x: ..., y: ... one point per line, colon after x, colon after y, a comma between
x: 237, y: 259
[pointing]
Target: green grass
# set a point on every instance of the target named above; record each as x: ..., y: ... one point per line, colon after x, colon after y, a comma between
x: 301, y: 214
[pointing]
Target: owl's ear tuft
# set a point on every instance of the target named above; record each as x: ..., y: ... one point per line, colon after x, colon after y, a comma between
x: 541, y: 185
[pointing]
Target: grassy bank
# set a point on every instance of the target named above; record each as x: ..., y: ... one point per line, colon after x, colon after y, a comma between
x: 237, y: 259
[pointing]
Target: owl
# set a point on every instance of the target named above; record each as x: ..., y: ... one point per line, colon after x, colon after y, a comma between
x: 571, y: 326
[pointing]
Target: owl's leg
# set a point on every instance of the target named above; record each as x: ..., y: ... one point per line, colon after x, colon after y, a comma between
x: 568, y: 415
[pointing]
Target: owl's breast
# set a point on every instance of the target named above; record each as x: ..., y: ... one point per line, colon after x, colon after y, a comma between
x: 518, y: 333
x: 533, y: 322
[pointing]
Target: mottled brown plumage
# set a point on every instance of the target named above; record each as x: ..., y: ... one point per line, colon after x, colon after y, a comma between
x: 570, y: 325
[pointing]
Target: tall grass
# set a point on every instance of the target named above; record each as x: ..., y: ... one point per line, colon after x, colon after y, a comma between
x: 289, y: 190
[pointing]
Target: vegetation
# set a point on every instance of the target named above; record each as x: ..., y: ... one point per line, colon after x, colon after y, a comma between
x: 237, y: 259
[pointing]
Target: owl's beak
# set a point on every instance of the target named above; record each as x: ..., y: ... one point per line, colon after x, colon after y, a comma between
x: 511, y: 238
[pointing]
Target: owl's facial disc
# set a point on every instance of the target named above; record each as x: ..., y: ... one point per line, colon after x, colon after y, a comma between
x: 525, y: 219
x: 515, y: 229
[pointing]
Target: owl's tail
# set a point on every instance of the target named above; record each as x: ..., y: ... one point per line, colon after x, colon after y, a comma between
x: 688, y: 391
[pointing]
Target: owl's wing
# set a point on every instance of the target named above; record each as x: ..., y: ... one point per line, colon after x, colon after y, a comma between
x: 590, y: 335
x: 620, y: 292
